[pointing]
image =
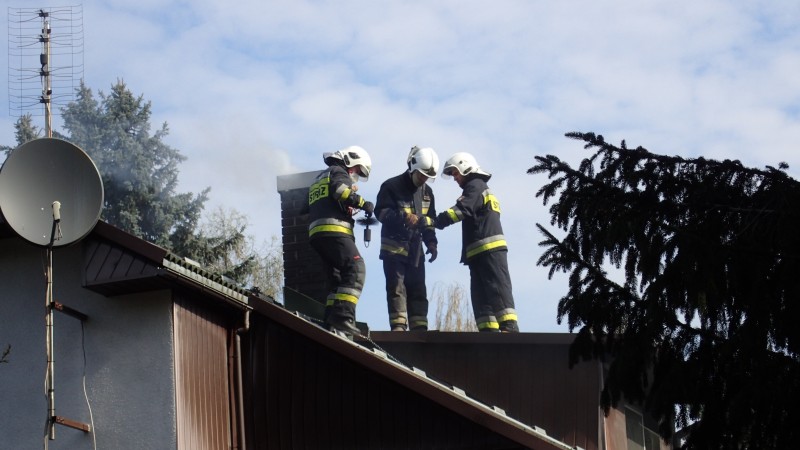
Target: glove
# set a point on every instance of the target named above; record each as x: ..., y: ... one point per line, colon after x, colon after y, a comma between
x: 368, y: 208
x: 432, y: 251
x: 411, y: 221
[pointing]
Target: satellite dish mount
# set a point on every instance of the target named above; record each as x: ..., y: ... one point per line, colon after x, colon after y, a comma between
x: 35, y: 180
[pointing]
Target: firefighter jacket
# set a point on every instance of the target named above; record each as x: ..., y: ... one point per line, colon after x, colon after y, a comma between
x: 398, y: 197
x: 330, y: 202
x: 479, y: 213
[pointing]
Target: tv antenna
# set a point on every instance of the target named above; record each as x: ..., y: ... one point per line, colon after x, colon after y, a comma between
x: 51, y: 195
x: 45, y: 60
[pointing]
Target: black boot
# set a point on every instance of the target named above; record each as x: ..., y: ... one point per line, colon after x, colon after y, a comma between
x: 345, y: 325
x: 509, y: 326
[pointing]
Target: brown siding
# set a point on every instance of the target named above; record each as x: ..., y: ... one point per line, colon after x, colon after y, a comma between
x: 202, y: 383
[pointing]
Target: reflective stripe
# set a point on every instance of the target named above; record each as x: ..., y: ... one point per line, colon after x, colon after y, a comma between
x: 351, y: 291
x: 346, y: 298
x: 487, y: 322
x: 455, y: 215
x: 393, y: 247
x: 343, y: 191
x: 485, y: 244
x: 416, y: 321
x: 330, y: 229
x: 489, y: 198
x: 394, y: 250
x: 330, y: 226
x: 329, y: 221
x: 398, y: 319
x: 340, y: 296
x: 506, y: 317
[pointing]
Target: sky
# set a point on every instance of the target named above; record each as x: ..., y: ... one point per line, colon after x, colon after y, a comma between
x: 254, y: 89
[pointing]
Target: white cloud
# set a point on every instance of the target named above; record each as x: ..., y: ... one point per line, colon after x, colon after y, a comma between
x: 255, y: 89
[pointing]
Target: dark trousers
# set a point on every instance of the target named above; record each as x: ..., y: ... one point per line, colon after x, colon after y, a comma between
x: 406, y: 295
x: 490, y: 289
x: 346, y: 273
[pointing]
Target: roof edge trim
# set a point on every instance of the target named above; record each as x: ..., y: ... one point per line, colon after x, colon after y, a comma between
x: 185, y: 273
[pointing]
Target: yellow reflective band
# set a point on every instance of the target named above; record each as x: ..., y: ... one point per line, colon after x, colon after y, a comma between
x: 361, y: 202
x: 453, y: 216
x: 494, y: 204
x: 407, y: 210
x: 331, y: 229
x: 345, y: 194
x: 394, y: 250
x: 490, y: 325
x: 485, y: 247
x: 507, y: 317
x: 346, y: 297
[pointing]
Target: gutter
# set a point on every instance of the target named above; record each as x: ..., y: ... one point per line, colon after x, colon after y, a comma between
x: 239, y: 385
x: 204, y: 281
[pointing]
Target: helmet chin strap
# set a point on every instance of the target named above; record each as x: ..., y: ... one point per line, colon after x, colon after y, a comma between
x: 353, y: 172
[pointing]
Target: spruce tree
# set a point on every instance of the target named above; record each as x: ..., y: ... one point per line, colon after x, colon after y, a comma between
x: 139, y: 170
x: 702, y: 318
x: 24, y: 131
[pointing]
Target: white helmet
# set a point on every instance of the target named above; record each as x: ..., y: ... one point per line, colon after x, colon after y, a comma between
x: 351, y: 157
x: 423, y: 160
x: 464, y: 163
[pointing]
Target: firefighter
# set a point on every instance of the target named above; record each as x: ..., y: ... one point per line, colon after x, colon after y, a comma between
x: 332, y: 201
x: 484, y: 249
x: 405, y: 207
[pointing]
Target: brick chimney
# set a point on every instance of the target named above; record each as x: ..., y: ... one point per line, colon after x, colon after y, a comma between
x: 302, y: 268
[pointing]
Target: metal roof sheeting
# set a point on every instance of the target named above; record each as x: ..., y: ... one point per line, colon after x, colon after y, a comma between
x: 313, y: 389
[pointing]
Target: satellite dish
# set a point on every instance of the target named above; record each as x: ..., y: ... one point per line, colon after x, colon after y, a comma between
x: 40, y: 173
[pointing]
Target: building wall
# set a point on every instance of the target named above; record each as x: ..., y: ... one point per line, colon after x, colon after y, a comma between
x: 127, y: 342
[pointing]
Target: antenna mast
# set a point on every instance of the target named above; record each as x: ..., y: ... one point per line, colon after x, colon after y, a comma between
x: 45, y: 60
